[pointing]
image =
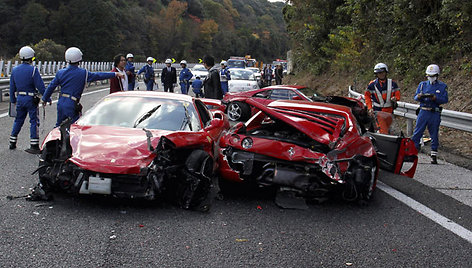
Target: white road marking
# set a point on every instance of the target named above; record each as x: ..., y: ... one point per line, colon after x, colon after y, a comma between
x: 427, y: 212
x: 84, y: 94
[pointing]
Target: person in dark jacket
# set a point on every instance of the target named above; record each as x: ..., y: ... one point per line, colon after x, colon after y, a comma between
x: 116, y: 83
x: 169, y: 76
x: 279, y: 74
x: 212, y: 84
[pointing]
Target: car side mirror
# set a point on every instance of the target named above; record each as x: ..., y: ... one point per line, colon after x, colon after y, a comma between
x: 214, y: 123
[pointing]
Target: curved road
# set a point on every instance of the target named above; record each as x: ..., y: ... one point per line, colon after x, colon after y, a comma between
x: 245, y: 229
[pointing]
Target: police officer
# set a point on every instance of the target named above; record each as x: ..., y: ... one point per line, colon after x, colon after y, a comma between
x: 169, y: 76
x: 72, y: 80
x: 130, y: 69
x: 25, y: 82
x: 197, y: 87
x: 430, y: 94
x: 184, y: 77
x: 148, y: 74
x: 225, y: 76
x: 380, y: 97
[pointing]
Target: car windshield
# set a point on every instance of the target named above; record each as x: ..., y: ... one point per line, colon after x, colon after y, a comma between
x: 199, y: 68
x: 142, y: 112
x: 236, y: 64
x: 242, y: 74
x: 254, y: 70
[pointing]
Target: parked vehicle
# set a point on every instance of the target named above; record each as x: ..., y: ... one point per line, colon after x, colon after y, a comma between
x: 199, y: 70
x: 242, y: 80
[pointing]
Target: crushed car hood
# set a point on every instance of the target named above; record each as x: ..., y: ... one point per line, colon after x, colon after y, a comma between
x: 318, y: 121
x: 106, y: 149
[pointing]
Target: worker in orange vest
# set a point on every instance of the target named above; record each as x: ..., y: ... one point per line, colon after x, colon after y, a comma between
x: 381, y: 98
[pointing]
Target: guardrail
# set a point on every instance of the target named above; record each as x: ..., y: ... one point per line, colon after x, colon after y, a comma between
x: 449, y: 118
x: 49, y: 69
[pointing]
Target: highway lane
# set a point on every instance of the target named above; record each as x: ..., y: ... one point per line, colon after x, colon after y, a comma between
x: 244, y: 229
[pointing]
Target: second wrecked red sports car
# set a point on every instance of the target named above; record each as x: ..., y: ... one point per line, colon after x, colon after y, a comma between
x: 312, y: 149
x: 138, y: 145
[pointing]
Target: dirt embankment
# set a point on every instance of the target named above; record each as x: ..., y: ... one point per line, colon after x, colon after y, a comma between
x: 453, y: 143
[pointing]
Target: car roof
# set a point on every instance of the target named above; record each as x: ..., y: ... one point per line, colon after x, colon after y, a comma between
x: 286, y: 86
x: 155, y: 94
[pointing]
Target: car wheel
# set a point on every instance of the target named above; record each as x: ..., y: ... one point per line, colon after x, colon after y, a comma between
x: 196, y: 187
x: 238, y: 111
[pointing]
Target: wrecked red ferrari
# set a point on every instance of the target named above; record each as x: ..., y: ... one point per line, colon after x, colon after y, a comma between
x: 311, y: 149
x: 137, y: 145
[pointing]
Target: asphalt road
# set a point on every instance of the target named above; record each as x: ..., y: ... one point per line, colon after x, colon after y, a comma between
x: 245, y: 229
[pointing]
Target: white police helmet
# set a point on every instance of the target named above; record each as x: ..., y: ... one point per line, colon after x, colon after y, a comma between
x: 73, y: 55
x: 150, y: 59
x: 130, y: 55
x: 432, y: 70
x: 168, y: 61
x: 380, y: 67
x: 183, y: 62
x: 26, y: 53
x: 224, y: 63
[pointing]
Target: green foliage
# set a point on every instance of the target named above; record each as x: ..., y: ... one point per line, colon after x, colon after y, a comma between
x: 48, y: 50
x: 353, y: 35
x: 180, y: 29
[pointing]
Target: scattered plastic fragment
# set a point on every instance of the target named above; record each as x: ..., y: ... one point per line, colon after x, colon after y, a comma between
x: 113, y: 237
x: 187, y: 247
x: 349, y: 263
x: 241, y: 240
x: 259, y: 207
x: 123, y: 211
x: 141, y: 226
x: 35, y: 213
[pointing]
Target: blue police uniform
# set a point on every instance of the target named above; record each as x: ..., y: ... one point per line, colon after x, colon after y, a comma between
x: 225, y: 76
x: 24, y: 81
x: 131, y: 78
x: 72, y: 81
x: 429, y: 114
x: 148, y: 76
x: 197, y: 88
x: 184, y: 78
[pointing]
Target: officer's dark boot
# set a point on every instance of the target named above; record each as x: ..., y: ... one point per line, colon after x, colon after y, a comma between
x: 434, y: 157
x: 12, y: 142
x: 34, y: 149
x: 12, y: 145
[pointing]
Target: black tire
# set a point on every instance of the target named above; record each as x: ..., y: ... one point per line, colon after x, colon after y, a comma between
x: 238, y: 111
x: 198, y: 184
x: 366, y: 190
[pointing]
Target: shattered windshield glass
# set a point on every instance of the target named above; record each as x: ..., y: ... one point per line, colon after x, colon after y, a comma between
x: 142, y: 112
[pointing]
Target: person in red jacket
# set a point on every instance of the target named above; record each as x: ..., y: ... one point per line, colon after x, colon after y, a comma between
x: 117, y: 83
x: 381, y: 96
